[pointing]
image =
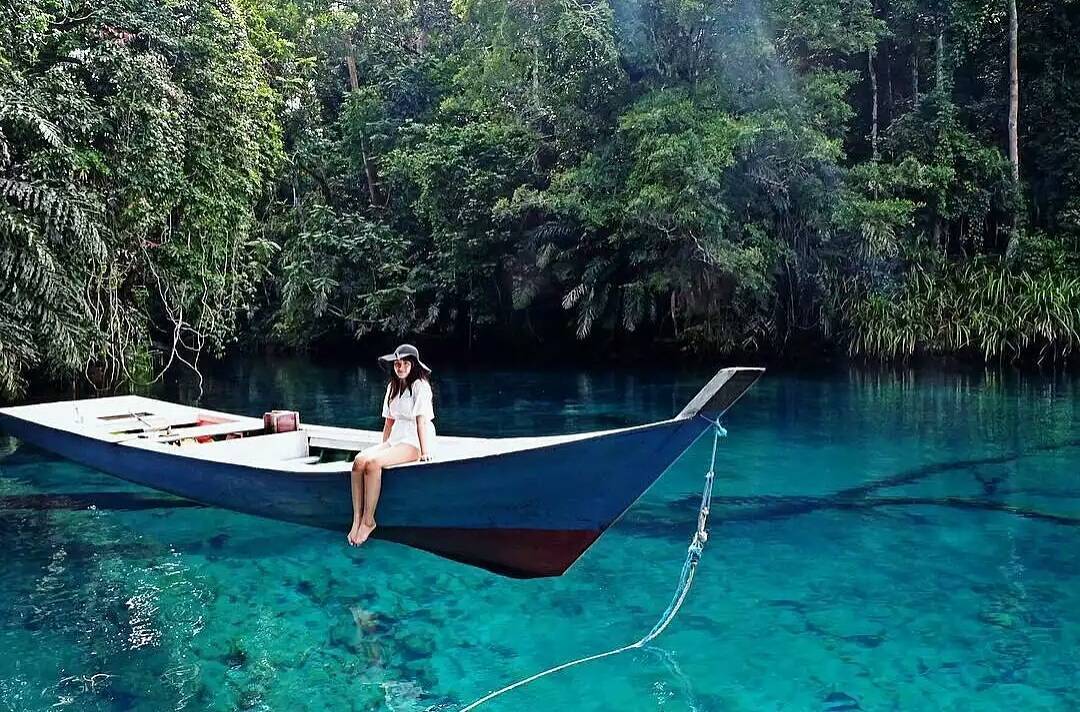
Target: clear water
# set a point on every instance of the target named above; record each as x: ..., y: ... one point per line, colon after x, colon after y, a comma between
x: 880, y: 542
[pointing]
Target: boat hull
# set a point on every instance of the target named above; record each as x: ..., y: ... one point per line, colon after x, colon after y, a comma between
x: 526, y: 513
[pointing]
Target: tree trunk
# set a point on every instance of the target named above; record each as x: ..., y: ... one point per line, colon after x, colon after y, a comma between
x: 1014, y: 122
x: 536, y: 57
x: 914, y: 75
x: 873, y: 104
x: 350, y: 62
x: 1014, y: 93
x: 889, y: 85
x: 369, y: 173
x: 369, y: 165
x: 939, y: 59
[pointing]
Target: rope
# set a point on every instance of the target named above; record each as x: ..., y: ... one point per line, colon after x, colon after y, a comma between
x: 686, y: 578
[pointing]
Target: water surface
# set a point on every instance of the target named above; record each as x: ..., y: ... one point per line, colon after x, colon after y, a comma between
x: 891, y: 541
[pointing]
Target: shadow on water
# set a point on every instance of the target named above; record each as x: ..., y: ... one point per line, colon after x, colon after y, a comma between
x: 112, y: 501
x: 757, y: 508
x: 766, y: 507
x: 920, y: 473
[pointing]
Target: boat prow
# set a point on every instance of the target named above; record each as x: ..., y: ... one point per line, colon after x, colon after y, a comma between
x: 523, y: 506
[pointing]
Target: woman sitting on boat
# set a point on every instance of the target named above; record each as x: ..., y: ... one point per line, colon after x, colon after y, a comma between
x: 408, y: 435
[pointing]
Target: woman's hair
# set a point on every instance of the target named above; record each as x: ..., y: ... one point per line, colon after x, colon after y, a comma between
x: 399, y: 386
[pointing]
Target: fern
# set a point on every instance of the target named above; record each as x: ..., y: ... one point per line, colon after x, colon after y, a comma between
x: 574, y: 296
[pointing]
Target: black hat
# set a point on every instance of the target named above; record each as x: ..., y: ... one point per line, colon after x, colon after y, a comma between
x: 387, y: 362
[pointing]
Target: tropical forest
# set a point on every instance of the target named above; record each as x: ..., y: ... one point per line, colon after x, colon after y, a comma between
x: 879, y: 180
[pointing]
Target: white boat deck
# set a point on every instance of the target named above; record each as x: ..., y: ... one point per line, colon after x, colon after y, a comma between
x: 147, y: 423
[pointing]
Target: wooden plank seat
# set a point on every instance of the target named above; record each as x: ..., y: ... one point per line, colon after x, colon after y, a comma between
x: 123, y: 428
x: 275, y: 448
x: 303, y: 459
x: 334, y: 443
x: 332, y: 438
x: 230, y: 428
x: 128, y: 427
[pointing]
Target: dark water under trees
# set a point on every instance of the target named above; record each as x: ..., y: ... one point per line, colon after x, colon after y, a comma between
x: 891, y: 541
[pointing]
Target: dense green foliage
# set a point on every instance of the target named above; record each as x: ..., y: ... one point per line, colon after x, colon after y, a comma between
x: 135, y: 143
x: 724, y: 175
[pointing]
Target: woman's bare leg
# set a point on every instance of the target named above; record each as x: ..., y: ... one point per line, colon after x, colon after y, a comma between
x: 357, y: 484
x: 394, y: 455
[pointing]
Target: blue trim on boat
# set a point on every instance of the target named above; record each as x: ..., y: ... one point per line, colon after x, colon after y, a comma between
x: 582, y: 485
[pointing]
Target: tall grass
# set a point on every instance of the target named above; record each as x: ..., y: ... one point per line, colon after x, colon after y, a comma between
x: 980, y: 308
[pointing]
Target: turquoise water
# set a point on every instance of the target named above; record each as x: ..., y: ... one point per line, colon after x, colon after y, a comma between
x: 880, y: 542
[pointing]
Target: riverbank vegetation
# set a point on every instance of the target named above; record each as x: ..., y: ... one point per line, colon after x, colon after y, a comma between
x: 881, y: 178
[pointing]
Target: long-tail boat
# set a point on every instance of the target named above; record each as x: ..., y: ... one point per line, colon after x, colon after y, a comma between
x: 520, y: 506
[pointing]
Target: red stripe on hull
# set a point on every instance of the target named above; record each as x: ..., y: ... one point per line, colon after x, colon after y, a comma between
x: 522, y: 553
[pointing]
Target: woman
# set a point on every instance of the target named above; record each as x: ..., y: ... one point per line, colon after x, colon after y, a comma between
x: 408, y: 435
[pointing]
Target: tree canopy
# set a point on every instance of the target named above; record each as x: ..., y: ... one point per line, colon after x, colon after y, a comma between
x: 773, y: 176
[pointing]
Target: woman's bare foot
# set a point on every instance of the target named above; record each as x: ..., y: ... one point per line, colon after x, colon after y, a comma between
x: 353, y: 534
x: 364, y: 531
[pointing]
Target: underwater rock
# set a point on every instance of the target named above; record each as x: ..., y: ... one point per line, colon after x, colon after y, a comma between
x: 363, y: 618
x: 866, y: 641
x: 414, y: 647
x: 504, y: 651
x: 235, y: 658
x: 789, y: 604
x: 250, y: 699
x: 989, y: 483
x: 840, y: 702
x: 1001, y: 619
x: 123, y: 699
x: 569, y: 607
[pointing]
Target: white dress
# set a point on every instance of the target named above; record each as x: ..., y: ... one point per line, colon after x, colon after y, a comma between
x: 404, y: 410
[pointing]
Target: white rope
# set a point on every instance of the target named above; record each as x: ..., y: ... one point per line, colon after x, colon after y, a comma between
x: 686, y: 578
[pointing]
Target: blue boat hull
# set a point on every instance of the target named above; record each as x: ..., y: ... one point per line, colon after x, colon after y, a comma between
x: 527, y: 513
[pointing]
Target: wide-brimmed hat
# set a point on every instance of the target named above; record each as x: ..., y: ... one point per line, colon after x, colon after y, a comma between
x: 403, y: 351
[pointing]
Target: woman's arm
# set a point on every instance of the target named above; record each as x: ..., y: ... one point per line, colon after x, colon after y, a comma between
x: 386, y: 429
x: 422, y: 434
